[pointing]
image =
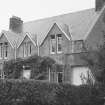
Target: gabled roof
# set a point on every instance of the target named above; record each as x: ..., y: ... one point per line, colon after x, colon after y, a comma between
x: 31, y: 37
x: 64, y: 29
x: 75, y: 25
x: 13, y: 38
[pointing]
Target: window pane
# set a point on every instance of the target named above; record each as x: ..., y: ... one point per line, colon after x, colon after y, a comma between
x: 6, y: 43
x: 77, y: 46
x: 59, y: 43
x: 60, y: 77
x: 5, y: 49
x: 1, y: 50
x: 24, y: 50
x: 53, y: 44
x: 29, y: 48
x: 52, y: 36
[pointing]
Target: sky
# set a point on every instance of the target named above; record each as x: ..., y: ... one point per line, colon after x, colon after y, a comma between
x: 29, y: 10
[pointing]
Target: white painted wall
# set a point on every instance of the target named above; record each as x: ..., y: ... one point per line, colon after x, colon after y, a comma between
x: 80, y: 74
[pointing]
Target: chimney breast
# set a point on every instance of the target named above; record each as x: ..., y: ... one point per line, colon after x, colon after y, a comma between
x: 16, y: 24
x: 99, y: 4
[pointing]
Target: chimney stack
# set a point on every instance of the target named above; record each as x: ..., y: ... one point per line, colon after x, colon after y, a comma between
x: 15, y: 24
x: 99, y: 4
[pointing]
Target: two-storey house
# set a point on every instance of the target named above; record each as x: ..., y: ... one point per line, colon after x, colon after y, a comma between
x: 63, y: 38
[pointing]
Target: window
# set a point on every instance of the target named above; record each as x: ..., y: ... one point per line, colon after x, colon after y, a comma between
x: 24, y: 49
x: 53, y: 44
x: 72, y: 44
x: 60, y: 77
x: 49, y: 73
x: 77, y: 46
x: 2, y: 75
x: 1, y: 50
x: 29, y: 49
x: 5, y: 50
x: 59, y: 43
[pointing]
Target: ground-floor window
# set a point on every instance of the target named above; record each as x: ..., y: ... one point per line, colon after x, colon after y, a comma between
x: 2, y: 74
x: 60, y: 77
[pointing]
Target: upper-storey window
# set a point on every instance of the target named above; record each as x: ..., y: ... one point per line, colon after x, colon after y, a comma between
x: 53, y: 44
x: 1, y: 50
x: 24, y: 49
x: 29, y: 48
x: 77, y: 46
x: 59, y: 43
x: 5, y: 50
x: 72, y: 48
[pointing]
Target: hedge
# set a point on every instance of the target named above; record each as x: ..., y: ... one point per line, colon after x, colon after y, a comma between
x: 31, y: 92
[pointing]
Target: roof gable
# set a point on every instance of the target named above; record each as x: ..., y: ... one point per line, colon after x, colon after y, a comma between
x: 58, y: 29
x: 4, y: 38
x: 13, y: 38
x: 30, y: 38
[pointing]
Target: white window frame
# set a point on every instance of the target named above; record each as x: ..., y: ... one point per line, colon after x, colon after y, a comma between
x: 5, y: 50
x: 1, y: 50
x: 59, y: 52
x: 51, y: 44
x: 72, y: 48
x: 81, y: 46
x: 24, y: 49
x: 29, y: 52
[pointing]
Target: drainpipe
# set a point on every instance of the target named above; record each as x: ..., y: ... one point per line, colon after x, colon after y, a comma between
x: 37, y: 46
x: 38, y: 50
x: 49, y: 71
x: 15, y: 51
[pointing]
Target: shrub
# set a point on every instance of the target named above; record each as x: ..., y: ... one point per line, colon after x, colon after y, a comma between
x: 82, y: 95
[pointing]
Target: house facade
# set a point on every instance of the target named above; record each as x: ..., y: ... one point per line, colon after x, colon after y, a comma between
x: 63, y: 38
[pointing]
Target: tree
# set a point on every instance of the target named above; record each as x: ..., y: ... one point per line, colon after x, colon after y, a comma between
x: 95, y: 59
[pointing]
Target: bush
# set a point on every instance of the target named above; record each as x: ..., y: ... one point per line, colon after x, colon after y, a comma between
x: 24, y: 92
x: 82, y: 95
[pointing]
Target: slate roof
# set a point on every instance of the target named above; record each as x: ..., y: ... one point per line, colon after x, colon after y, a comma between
x: 75, y: 25
x: 13, y: 38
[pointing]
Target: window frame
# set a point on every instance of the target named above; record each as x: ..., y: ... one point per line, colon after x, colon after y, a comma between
x: 77, y: 46
x: 5, y: 50
x: 29, y: 48
x: 59, y: 52
x: 51, y: 42
x: 73, y: 45
x: 25, y: 49
x: 58, y: 76
x: 1, y: 50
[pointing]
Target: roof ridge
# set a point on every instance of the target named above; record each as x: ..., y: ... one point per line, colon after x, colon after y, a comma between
x: 42, y: 19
